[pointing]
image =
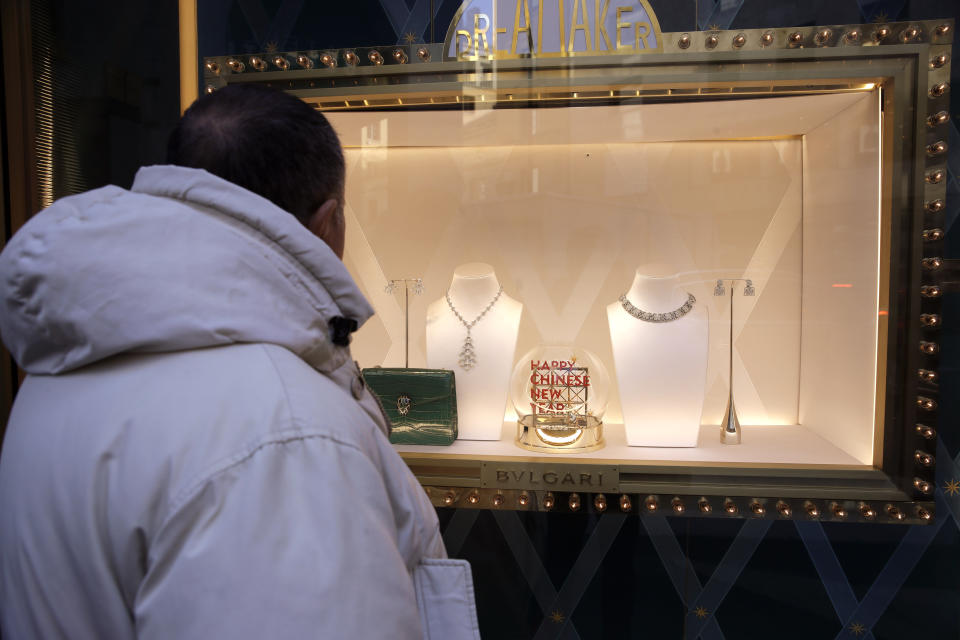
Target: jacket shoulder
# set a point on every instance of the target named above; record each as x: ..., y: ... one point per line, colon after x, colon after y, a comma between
x: 317, y: 402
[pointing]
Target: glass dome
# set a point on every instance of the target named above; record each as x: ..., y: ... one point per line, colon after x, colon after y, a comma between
x: 560, y: 396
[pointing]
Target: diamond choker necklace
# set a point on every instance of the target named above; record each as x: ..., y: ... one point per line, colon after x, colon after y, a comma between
x: 646, y: 316
x: 468, y: 357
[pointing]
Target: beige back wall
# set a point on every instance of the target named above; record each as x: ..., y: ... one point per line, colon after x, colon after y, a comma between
x: 566, y: 226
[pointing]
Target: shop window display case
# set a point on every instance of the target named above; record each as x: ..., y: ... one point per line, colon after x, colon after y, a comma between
x: 699, y: 272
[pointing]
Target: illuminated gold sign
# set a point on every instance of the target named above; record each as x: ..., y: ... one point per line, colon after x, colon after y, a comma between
x: 505, y: 29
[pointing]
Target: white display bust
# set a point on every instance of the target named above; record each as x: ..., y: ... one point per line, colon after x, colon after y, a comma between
x: 482, y: 391
x: 661, y: 367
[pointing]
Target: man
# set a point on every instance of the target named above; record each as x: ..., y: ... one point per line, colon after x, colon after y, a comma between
x: 194, y: 453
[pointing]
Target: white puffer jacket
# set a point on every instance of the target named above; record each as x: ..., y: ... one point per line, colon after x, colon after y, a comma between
x: 191, y: 456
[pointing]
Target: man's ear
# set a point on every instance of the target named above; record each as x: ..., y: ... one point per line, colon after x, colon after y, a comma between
x: 327, y: 223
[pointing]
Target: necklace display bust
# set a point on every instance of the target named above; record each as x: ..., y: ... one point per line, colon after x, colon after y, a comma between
x: 661, y: 363
x: 483, y: 385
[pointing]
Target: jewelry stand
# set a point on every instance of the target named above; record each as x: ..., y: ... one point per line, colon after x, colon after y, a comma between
x: 483, y: 379
x: 406, y: 283
x: 661, y: 361
x: 730, y: 432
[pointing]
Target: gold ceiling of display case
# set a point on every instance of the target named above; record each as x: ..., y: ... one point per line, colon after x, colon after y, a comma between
x: 624, y: 94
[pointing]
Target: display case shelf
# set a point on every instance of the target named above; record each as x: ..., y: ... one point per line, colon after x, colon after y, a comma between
x: 764, y: 446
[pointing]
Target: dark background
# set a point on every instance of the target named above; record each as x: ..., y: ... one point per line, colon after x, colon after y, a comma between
x: 539, y: 575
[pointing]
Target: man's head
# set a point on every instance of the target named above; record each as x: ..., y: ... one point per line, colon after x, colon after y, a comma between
x: 272, y: 144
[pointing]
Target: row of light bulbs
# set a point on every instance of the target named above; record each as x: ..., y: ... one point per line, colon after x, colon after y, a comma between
x: 821, y: 37
x: 376, y: 58
x: 676, y: 505
x: 930, y: 264
x: 282, y: 62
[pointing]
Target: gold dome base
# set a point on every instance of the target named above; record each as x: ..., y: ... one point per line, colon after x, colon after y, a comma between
x: 558, y: 434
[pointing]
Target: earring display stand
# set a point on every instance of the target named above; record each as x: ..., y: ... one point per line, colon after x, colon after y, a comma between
x: 730, y: 431
x: 407, y: 283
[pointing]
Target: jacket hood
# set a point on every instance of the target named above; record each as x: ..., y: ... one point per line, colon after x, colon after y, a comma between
x: 184, y: 260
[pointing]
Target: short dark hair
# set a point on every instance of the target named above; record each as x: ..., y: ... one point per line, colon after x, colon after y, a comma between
x: 266, y: 141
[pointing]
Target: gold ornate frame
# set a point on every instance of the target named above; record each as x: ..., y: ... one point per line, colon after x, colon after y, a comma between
x: 909, y: 61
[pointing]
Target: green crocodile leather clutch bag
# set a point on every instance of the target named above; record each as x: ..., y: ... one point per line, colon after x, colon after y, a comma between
x: 421, y: 403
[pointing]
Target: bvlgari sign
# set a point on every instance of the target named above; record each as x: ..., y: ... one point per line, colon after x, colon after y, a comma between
x: 550, y: 476
x: 504, y: 29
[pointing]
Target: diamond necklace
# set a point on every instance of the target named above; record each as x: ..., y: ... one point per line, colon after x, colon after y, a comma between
x: 468, y: 357
x: 646, y: 316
